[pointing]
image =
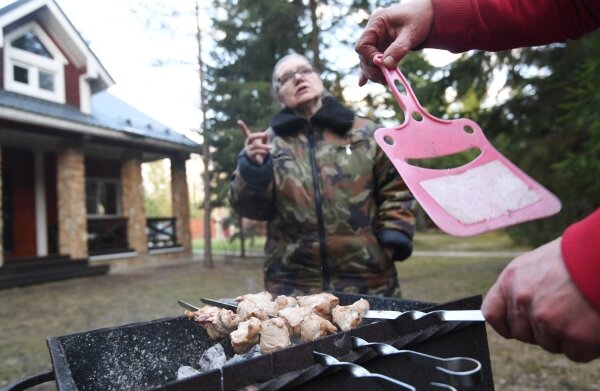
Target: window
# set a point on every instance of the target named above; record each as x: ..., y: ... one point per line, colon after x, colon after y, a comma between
x: 35, y: 66
x: 30, y: 43
x: 102, y: 197
x: 21, y: 74
x: 46, y: 81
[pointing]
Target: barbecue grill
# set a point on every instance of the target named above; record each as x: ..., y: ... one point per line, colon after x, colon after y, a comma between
x: 147, y: 355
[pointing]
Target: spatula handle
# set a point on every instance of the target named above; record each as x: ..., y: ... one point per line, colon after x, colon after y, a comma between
x: 401, y: 90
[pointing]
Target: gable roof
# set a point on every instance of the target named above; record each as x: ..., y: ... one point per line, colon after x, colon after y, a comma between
x: 54, y: 20
x: 110, y: 117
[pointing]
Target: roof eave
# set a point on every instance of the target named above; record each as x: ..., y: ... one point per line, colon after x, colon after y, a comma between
x: 50, y: 123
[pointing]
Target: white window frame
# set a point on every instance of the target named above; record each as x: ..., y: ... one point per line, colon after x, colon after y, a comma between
x: 34, y: 64
x: 99, y: 182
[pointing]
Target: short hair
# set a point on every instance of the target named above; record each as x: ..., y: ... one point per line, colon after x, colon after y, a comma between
x: 274, y: 82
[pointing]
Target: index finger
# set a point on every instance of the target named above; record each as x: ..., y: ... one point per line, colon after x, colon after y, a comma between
x: 244, y: 128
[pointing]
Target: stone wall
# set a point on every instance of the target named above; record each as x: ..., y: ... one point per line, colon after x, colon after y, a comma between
x: 72, y: 220
x: 132, y: 203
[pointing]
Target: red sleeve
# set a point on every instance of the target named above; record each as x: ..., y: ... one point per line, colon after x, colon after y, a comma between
x: 581, y: 252
x: 493, y: 25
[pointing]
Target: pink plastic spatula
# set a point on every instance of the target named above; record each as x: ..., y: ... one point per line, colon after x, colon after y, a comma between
x: 485, y: 194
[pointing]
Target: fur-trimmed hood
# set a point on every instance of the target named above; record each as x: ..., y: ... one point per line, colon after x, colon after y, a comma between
x: 332, y: 115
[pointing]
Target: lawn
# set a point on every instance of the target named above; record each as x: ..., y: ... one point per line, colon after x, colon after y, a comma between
x: 29, y: 315
x: 424, y: 241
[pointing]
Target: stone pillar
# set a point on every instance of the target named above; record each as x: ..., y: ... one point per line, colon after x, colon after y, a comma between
x: 132, y: 204
x: 180, y: 202
x: 1, y: 215
x: 72, y: 215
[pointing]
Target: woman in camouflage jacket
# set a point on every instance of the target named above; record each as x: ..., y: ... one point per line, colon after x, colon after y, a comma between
x: 333, y: 201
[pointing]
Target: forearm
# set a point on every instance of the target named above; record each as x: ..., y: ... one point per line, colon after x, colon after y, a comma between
x: 581, y: 253
x: 461, y: 25
x: 392, y: 197
x: 251, y: 189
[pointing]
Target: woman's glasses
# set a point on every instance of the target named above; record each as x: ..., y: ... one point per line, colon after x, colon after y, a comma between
x: 303, y: 70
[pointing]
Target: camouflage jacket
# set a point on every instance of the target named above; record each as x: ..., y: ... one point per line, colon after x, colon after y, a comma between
x: 332, y: 199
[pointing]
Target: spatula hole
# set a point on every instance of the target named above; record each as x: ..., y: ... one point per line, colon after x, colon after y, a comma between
x: 417, y: 116
x: 400, y: 87
x: 469, y: 129
x: 388, y: 140
x: 448, y: 161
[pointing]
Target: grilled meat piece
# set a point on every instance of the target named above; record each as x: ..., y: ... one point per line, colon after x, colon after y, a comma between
x: 258, y: 305
x: 350, y: 316
x: 320, y: 303
x: 256, y: 297
x: 294, y: 317
x: 313, y: 326
x: 274, y: 335
x: 286, y: 302
x: 218, y: 322
x: 246, y: 335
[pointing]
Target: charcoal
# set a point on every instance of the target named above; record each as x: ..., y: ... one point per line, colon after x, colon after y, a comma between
x: 185, y: 372
x: 212, y: 358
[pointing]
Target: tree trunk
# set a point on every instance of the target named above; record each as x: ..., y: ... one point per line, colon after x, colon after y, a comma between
x: 242, y: 237
x: 314, y: 36
x: 208, y: 261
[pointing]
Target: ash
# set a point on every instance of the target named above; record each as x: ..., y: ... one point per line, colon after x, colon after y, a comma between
x: 215, y: 358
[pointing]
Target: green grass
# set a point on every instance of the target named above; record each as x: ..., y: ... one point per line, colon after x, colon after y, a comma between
x: 255, y: 245
x: 437, y: 241
x: 424, y: 241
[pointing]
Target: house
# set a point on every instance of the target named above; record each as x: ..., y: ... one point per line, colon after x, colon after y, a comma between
x: 71, y: 156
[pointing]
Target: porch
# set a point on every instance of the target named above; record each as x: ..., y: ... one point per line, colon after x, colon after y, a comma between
x: 78, y: 209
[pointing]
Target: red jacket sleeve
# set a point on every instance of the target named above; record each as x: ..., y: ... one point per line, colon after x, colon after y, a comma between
x: 493, y: 25
x: 581, y: 253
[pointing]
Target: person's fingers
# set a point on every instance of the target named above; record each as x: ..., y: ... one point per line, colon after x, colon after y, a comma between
x: 494, y: 311
x: 244, y: 128
x: 256, y: 156
x: 580, y: 352
x: 362, y: 79
x: 366, y: 46
x: 397, y: 49
x: 545, y: 338
x: 254, y: 139
x: 519, y: 317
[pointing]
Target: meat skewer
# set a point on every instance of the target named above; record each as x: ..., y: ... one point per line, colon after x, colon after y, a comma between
x: 271, y: 324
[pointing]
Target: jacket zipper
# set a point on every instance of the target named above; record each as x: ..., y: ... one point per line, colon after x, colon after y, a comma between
x: 319, y: 209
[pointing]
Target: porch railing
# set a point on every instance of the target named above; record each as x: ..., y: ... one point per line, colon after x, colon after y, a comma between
x: 161, y: 232
x: 107, y: 235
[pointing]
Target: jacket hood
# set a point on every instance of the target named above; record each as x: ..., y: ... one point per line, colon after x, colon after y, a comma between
x: 332, y: 115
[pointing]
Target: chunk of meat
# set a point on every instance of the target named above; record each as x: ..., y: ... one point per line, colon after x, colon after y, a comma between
x: 286, y: 302
x: 218, y: 322
x: 274, y: 335
x: 294, y: 317
x: 255, y: 297
x: 348, y: 317
x: 246, y: 335
x: 262, y: 310
x: 313, y: 326
x: 258, y: 305
x: 320, y: 303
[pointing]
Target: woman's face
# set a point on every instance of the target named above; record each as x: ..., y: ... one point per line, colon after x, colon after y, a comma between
x: 299, y: 84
